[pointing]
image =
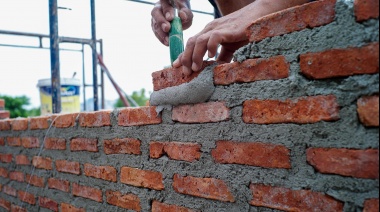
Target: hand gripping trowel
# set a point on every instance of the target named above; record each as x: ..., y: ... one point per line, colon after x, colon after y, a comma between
x: 175, y: 35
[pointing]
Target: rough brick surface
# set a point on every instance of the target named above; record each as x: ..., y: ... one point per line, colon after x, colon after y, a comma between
x: 138, y: 116
x: 293, y: 19
x: 292, y: 200
x: 371, y: 205
x: 4, y: 114
x: 162, y: 207
x: 30, y: 142
x: 5, y: 125
x: 171, y: 77
x: 16, y: 208
x: 20, y: 124
x: 61, y: 185
x: 17, y: 176
x: 208, y: 188
x: 345, y: 162
x: 70, y: 208
x: 341, y: 62
x: 64, y: 121
x: 95, y: 119
x: 2, y: 104
x: 366, y: 9
x: 122, y: 146
x: 5, y: 204
x: 201, y: 113
x: 301, y: 111
x: 101, y: 172
x: 39, y: 123
x: 14, y: 141
x: 35, y: 180
x: 368, y: 110
x: 175, y: 150
x: 3, y: 172
x: 2, y: 141
x: 42, y: 163
x: 26, y: 197
x: 55, y: 144
x: 22, y: 160
x: 252, y: 70
x: 68, y: 167
x: 253, y: 154
x: 142, y: 178
x: 6, y: 158
x: 84, y: 144
x: 127, y: 201
x: 87, y: 192
x: 10, y: 191
x: 48, y: 203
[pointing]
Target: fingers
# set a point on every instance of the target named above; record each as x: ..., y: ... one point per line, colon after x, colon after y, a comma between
x: 186, y: 16
x: 225, y: 55
x: 160, y: 25
x: 167, y: 10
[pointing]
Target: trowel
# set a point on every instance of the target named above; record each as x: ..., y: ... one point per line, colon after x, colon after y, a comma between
x: 176, y: 44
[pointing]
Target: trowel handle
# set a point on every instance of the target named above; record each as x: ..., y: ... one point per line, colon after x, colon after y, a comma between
x: 176, y: 39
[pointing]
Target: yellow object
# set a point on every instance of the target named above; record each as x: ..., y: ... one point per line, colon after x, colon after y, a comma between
x: 70, y: 95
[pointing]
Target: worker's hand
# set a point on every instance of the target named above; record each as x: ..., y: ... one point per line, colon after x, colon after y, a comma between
x: 228, y: 31
x: 163, y: 14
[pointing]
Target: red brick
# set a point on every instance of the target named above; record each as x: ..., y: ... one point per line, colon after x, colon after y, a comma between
x: 2, y: 141
x: 27, y: 197
x: 3, y: 172
x: 162, y: 207
x: 142, y: 178
x: 35, y: 180
x: 366, y: 9
x: 208, y: 188
x: 68, y: 167
x: 84, y: 144
x: 20, y: 124
x: 14, y: 141
x: 252, y: 70
x: 345, y: 162
x: 127, y: 201
x: 253, y: 154
x: 138, y: 116
x: 175, y: 150
x: 371, y: 205
x: 209, y: 112
x: 292, y: 200
x: 22, y: 160
x: 368, y: 110
x: 16, y: 208
x: 65, y: 120
x: 297, y: 18
x: 55, y: 144
x: 42, y: 163
x: 95, y: 119
x: 5, y: 114
x: 304, y: 110
x: 171, y: 77
x: 17, y: 176
x: 61, y: 185
x: 341, y: 62
x: 10, y: 191
x: 2, y: 104
x: 101, y: 172
x: 30, y: 142
x: 122, y: 146
x: 39, y: 123
x: 6, y: 158
x: 48, y: 203
x: 87, y: 192
x: 5, y: 204
x: 70, y: 208
x: 5, y: 125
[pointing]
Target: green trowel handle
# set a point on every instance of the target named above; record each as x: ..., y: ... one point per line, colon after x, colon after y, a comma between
x: 176, y: 39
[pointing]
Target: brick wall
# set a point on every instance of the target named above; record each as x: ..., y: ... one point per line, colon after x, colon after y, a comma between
x: 292, y: 126
x: 4, y: 114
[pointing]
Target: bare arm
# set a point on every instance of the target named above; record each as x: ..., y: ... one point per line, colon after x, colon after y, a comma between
x: 228, y: 31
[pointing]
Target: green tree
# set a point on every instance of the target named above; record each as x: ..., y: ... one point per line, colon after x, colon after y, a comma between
x: 138, y: 96
x: 16, y: 106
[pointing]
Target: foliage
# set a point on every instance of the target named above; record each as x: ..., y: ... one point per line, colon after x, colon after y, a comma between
x: 16, y: 106
x: 138, y: 96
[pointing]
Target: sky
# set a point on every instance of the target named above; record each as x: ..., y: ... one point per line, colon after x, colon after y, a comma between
x: 131, y: 51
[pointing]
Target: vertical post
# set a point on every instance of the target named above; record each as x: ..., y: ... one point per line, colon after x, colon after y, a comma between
x: 94, y: 57
x: 84, y: 80
x: 102, y: 77
x: 54, y: 57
